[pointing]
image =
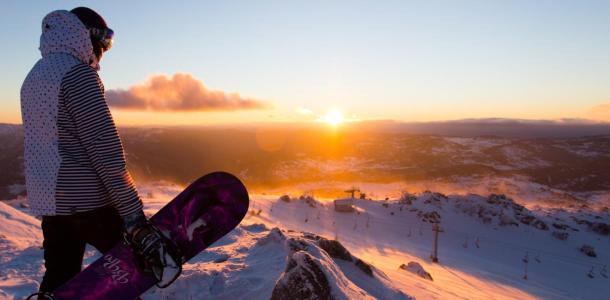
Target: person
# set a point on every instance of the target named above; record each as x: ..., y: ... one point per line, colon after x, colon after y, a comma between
x: 75, y: 170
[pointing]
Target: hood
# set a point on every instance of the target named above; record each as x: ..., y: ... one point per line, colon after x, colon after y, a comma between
x: 63, y: 32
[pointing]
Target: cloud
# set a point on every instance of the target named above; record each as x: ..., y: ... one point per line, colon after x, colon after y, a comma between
x: 600, y: 112
x: 304, y: 111
x: 180, y: 92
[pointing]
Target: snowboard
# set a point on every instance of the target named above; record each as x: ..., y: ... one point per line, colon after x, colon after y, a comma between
x: 204, y: 212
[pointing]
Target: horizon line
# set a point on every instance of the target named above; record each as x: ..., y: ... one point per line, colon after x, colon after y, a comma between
x: 490, y: 120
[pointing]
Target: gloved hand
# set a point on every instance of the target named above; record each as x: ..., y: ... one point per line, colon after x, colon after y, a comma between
x: 156, y: 253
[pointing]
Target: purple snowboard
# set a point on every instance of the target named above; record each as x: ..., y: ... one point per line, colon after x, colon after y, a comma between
x: 203, y: 213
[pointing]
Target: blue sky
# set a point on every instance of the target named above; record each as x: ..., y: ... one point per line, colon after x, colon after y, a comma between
x: 403, y: 60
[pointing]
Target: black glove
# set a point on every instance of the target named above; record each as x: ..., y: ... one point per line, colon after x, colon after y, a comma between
x: 156, y: 254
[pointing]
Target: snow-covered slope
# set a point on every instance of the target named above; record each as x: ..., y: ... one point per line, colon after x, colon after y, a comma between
x: 254, y: 262
x: 481, y: 249
x: 19, y: 230
x: 285, y: 249
x: 20, y: 254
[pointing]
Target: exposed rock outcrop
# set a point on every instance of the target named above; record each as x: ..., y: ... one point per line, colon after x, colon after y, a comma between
x: 302, y: 279
x: 319, y: 268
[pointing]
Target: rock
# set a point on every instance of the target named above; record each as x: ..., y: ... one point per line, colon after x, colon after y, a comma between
x: 431, y: 217
x: 335, y: 249
x: 600, y: 228
x: 302, y: 279
x: 527, y: 220
x: 222, y: 258
x: 561, y: 226
x: 496, y: 199
x: 417, y: 269
x: 532, y: 221
x: 560, y: 235
x: 540, y: 225
x: 295, y: 245
x: 285, y: 198
x: 582, y: 221
x: 312, y: 236
x: 407, y: 198
x: 588, y: 250
x: 364, y: 267
x: 309, y: 200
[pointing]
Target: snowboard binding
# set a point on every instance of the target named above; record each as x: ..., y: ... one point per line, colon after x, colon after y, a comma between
x: 156, y: 254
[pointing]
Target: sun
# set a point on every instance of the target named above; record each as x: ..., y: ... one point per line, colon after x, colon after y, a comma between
x: 333, y: 117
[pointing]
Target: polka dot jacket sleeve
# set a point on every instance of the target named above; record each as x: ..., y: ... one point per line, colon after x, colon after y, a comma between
x: 86, y: 105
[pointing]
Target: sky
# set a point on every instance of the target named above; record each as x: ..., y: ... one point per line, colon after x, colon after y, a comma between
x: 287, y: 61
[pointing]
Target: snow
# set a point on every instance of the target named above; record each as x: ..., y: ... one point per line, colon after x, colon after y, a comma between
x: 417, y: 269
x: 581, y: 148
x: 494, y: 268
x: 20, y: 252
x: 478, y: 144
x: 18, y: 230
x: 480, y: 253
x: 520, y: 158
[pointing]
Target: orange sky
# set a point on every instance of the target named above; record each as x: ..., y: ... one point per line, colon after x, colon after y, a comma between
x: 292, y: 62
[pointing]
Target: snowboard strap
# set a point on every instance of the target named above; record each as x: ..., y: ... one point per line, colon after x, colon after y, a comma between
x: 178, y: 258
x: 174, y: 252
x: 169, y: 249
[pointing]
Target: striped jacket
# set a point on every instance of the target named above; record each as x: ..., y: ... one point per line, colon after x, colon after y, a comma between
x: 74, y: 159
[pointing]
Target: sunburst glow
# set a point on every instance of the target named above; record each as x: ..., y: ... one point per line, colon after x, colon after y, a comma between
x: 333, y: 117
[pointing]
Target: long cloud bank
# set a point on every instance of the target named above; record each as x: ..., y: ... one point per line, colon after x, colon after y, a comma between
x: 179, y: 92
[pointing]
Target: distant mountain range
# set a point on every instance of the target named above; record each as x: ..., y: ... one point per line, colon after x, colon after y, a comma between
x: 268, y: 156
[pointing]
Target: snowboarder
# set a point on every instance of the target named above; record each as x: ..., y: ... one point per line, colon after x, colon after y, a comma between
x: 76, y: 176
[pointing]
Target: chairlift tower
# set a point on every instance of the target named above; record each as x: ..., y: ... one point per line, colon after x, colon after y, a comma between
x: 436, y: 229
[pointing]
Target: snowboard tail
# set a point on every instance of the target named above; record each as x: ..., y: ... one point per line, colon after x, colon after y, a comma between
x: 204, y: 212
